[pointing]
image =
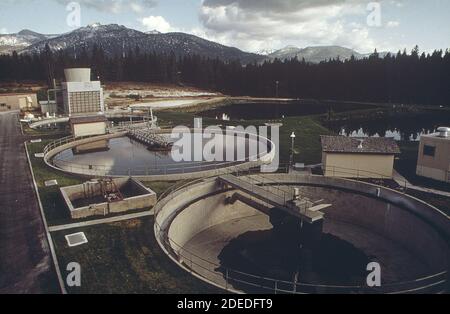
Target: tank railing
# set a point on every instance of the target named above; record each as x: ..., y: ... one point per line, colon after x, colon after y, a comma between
x: 186, y: 184
x: 166, y: 169
x: 254, y: 177
x: 284, y: 190
x: 359, y: 174
x: 271, y: 187
x: 233, y: 280
x: 229, y: 277
x: 183, y: 168
x: 336, y: 171
x: 63, y: 141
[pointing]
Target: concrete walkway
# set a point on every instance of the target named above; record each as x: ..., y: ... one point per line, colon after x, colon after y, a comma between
x: 100, y: 221
x: 25, y: 260
x: 403, y: 182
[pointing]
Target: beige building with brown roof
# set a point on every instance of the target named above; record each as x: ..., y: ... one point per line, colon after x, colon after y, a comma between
x: 348, y: 157
x: 13, y: 101
x: 434, y: 155
x: 88, y: 125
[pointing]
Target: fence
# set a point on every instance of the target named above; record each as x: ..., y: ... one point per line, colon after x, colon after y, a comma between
x: 153, y: 170
x: 237, y: 281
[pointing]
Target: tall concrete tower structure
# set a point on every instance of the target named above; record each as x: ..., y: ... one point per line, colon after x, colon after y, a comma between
x: 81, y: 96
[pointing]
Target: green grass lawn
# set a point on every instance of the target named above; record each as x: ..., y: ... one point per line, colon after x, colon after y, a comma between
x: 307, y: 146
x: 125, y: 258
x: 55, y: 210
x: 161, y: 186
x: 56, y: 133
x: 307, y: 129
x: 54, y: 207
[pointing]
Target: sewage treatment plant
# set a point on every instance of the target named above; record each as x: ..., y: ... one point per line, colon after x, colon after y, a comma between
x: 244, y: 231
x: 225, y: 212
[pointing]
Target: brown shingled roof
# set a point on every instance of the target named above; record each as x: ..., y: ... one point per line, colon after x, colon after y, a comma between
x: 370, y: 145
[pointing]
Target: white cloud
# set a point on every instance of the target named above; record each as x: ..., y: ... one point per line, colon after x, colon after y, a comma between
x: 392, y: 24
x: 255, y: 25
x: 158, y: 23
x: 114, y: 6
x: 3, y: 30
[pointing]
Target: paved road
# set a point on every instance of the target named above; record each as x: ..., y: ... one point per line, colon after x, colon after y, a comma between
x: 25, y: 262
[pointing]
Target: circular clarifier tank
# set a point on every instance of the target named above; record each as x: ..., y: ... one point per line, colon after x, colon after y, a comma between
x: 123, y: 156
x: 232, y: 243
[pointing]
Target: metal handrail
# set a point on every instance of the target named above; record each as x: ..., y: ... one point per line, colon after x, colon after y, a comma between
x: 103, y: 170
x: 191, y: 259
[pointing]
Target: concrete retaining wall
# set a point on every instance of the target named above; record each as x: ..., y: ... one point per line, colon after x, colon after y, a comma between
x: 418, y: 227
x: 91, y: 172
x: 204, y: 214
x: 145, y: 199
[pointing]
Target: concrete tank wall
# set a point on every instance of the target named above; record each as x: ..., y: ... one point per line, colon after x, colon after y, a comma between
x: 412, y: 224
x: 104, y: 170
x: 388, y: 221
x: 204, y: 214
x: 78, y: 75
x: 146, y: 199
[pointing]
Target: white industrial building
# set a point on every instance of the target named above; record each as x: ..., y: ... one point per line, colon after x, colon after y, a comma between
x: 81, y: 96
x: 18, y: 101
x: 48, y: 107
x: 434, y: 155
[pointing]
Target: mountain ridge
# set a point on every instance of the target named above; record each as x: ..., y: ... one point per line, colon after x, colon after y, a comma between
x: 317, y: 54
x: 117, y: 40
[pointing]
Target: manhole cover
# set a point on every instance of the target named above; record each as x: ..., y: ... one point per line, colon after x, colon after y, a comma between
x: 76, y: 239
x: 51, y: 183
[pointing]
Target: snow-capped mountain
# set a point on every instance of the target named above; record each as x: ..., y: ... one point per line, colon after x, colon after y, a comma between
x: 315, y: 54
x: 117, y: 39
x: 265, y: 52
x: 319, y: 53
x: 21, y: 40
x: 153, y: 32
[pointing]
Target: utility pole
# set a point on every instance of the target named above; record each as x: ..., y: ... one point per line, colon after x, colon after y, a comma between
x: 277, y: 84
x: 292, y: 149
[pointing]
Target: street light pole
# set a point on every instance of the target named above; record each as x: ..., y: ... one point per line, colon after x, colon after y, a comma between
x: 292, y: 149
x: 277, y: 83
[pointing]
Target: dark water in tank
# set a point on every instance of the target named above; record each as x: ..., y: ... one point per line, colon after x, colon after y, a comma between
x: 270, y: 254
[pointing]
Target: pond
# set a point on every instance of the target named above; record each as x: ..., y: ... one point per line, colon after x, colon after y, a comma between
x: 401, y: 128
x: 267, y: 111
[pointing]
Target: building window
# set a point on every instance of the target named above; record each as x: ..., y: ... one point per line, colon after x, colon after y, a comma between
x: 2, y: 105
x: 85, y: 102
x: 429, y: 150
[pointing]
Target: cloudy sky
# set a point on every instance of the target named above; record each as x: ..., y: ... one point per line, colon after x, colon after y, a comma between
x: 255, y: 25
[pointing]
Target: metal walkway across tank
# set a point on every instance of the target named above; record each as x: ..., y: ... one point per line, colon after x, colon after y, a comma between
x: 280, y: 197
